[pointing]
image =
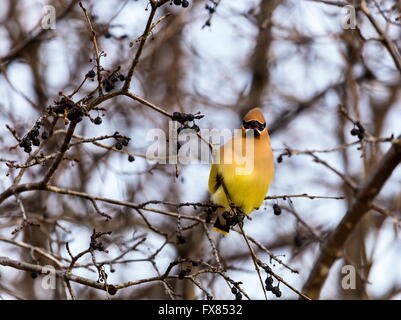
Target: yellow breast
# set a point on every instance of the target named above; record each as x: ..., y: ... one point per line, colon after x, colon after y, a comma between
x: 246, y: 174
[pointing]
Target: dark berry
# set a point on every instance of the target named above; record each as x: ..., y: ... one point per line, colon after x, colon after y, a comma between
x: 25, y: 143
x: 121, y: 77
x: 280, y: 158
x: 177, y: 116
x: 354, y: 131
x: 177, y: 2
x: 111, y: 290
x: 185, y: 3
x: 118, y: 146
x: 269, y: 287
x: 97, y: 120
x: 27, y: 149
x: 33, y: 133
x: 238, y: 296
x: 181, y: 239
x: 75, y: 114
x: 34, y: 275
x: 182, y: 274
x: 91, y: 74
x: 189, y: 117
x: 268, y: 270
x: 131, y: 158
x: 276, y: 291
x: 45, y: 135
x: 276, y: 209
x: 113, y: 79
x: 234, y: 290
x: 35, y: 141
x: 59, y: 109
x: 125, y: 141
x: 109, y: 88
x: 269, y: 280
x: 360, y: 127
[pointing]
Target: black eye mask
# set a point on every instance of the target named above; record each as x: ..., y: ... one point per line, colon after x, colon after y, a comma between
x: 254, y: 124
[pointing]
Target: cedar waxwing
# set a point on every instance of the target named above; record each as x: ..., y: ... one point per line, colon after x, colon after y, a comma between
x: 240, y: 179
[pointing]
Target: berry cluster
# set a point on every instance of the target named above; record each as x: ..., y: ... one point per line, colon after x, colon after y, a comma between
x: 183, y: 118
x: 269, y: 282
x: 75, y: 114
x: 67, y: 107
x: 121, y: 141
x: 232, y: 220
x: 359, y: 131
x: 95, y: 244
x: 183, y: 3
x: 184, y: 272
x: 62, y: 105
x: 32, y: 138
x: 276, y: 209
x: 236, y: 292
x: 91, y: 74
x: 109, y: 84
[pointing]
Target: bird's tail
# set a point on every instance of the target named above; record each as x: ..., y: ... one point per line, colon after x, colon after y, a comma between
x: 221, y: 225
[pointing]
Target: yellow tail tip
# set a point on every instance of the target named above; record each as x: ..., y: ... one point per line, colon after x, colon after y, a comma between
x: 221, y: 231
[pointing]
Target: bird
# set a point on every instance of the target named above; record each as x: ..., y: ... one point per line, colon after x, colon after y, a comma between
x: 240, y: 186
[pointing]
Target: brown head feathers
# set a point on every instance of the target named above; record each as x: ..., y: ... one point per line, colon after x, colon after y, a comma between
x: 255, y: 114
x: 254, y: 120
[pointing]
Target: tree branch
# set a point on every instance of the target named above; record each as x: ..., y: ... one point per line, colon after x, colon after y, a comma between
x: 367, y: 191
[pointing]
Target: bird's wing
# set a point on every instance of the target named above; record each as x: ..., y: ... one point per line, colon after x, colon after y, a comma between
x: 215, y: 179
